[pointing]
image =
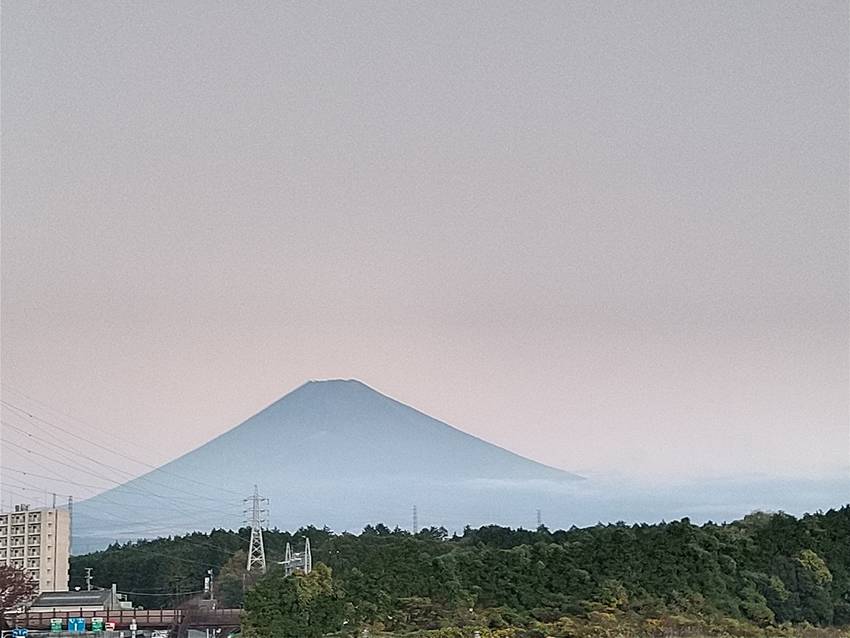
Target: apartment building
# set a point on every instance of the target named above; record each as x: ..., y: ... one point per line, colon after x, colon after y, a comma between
x: 39, y: 542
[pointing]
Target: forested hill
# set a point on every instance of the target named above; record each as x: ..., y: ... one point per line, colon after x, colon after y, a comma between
x: 765, y: 569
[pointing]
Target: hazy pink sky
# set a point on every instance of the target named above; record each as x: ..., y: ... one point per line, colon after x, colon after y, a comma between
x: 609, y: 236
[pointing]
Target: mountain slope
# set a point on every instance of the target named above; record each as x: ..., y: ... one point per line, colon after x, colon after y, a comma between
x: 330, y: 452
x: 346, y: 424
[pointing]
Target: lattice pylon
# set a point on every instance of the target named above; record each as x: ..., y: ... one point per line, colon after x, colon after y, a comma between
x: 256, y: 551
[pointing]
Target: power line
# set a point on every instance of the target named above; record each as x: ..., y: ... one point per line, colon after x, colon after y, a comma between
x: 80, y: 454
x: 37, y: 489
x: 51, y: 478
x: 167, y: 504
x: 15, y: 493
x: 100, y: 462
x: 124, y: 486
x: 135, y: 460
x: 181, y: 538
x: 41, y: 492
x: 135, y: 548
x: 61, y: 462
x: 103, y: 513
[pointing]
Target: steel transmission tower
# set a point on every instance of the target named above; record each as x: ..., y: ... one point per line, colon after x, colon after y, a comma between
x: 308, y: 556
x: 256, y: 552
x: 298, y: 561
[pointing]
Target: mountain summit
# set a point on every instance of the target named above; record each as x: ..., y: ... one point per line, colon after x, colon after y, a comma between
x: 330, y: 452
x: 352, y: 429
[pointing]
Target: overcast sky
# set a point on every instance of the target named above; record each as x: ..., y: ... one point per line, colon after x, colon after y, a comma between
x: 609, y: 236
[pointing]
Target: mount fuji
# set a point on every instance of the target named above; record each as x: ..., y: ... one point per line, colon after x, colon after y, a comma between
x: 334, y: 453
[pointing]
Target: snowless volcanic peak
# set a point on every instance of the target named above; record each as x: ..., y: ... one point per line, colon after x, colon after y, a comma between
x: 332, y: 452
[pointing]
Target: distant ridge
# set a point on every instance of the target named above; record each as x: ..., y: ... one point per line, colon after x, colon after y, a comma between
x: 332, y: 451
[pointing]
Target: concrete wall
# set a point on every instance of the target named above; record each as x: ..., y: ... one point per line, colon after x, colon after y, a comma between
x: 55, y: 550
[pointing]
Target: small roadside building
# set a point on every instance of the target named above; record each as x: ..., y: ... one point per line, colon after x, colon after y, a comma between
x: 70, y: 601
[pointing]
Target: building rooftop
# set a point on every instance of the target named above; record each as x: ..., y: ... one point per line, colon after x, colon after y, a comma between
x: 101, y: 597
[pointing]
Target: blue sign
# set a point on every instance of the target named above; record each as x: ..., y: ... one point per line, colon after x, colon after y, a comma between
x: 20, y: 632
x: 77, y: 624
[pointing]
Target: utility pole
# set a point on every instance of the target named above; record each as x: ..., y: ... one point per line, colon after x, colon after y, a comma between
x: 88, y: 578
x: 256, y: 551
x: 415, y: 521
x: 209, y: 587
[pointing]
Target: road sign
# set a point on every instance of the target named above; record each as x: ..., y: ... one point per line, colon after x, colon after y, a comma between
x: 77, y: 625
x: 20, y: 632
x: 97, y: 624
x: 55, y: 625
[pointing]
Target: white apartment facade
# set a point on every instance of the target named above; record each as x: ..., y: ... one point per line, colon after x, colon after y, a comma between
x: 39, y: 542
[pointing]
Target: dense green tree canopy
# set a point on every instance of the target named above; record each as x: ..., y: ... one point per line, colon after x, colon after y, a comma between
x: 766, y: 569
x: 298, y: 606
